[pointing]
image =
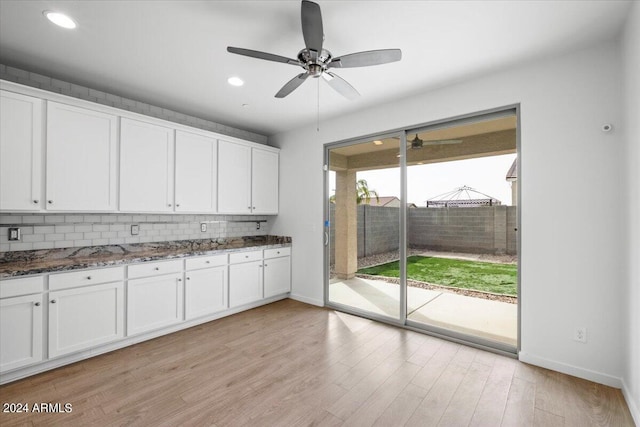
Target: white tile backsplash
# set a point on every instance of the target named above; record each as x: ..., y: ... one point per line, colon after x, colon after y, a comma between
x: 46, y: 231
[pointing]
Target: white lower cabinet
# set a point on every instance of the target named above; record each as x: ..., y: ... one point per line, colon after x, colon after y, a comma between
x: 245, y: 283
x: 20, y: 331
x: 205, y: 291
x: 85, y: 317
x: 277, y: 276
x: 154, y: 302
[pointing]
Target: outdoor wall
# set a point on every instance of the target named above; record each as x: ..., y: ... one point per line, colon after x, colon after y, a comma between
x: 483, y: 229
x: 572, y: 271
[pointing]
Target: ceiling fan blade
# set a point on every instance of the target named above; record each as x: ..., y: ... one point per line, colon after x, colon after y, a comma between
x: 442, y: 142
x: 262, y: 55
x: 292, y: 85
x: 312, y: 26
x: 340, y: 85
x: 365, y: 59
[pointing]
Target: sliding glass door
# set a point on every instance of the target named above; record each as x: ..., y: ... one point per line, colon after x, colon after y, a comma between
x: 421, y: 228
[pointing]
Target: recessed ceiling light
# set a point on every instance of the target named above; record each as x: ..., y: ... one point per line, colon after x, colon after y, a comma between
x: 60, y: 19
x: 235, y: 81
x: 377, y: 142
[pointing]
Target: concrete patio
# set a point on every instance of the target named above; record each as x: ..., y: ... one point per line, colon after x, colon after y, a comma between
x: 493, y: 320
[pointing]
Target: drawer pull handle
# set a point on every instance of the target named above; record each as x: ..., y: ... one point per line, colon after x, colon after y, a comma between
x: 37, y: 304
x: 53, y: 301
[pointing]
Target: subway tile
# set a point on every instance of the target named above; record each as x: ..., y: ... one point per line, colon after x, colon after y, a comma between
x: 99, y: 242
x: 33, y: 219
x: 109, y: 234
x: 4, y: 247
x: 73, y: 236
x: 117, y: 227
x: 132, y: 239
x: 43, y: 245
x: 64, y: 229
x: 10, y: 219
x: 26, y: 230
x: 124, y: 218
x: 92, y: 218
x: 63, y: 244
x: 81, y: 242
x: 53, y: 237
x: 92, y: 235
x: 83, y: 228
x: 100, y: 227
x: 54, y: 219
x: 21, y: 246
x: 32, y: 238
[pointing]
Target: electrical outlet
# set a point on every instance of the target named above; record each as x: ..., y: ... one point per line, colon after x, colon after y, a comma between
x: 14, y: 234
x: 203, y: 227
x: 135, y: 229
x: 257, y: 225
x: 580, y: 335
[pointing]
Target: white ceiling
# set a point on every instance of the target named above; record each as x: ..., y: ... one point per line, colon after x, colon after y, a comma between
x: 173, y: 53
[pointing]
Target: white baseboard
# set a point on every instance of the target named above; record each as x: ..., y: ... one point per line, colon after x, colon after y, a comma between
x: 575, y: 371
x: 307, y: 300
x: 631, y: 403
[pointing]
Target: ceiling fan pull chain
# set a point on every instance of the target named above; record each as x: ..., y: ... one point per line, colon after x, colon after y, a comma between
x: 318, y: 111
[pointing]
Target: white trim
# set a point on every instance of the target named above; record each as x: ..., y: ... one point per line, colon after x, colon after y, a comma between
x: 575, y: 371
x: 307, y: 300
x: 631, y: 403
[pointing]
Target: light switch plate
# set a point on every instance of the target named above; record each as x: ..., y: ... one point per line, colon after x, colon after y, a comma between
x: 14, y: 233
x: 135, y: 229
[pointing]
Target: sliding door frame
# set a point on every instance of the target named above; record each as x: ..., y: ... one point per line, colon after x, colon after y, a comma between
x: 401, y: 133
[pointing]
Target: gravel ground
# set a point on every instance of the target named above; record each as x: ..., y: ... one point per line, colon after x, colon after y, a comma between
x: 383, y: 258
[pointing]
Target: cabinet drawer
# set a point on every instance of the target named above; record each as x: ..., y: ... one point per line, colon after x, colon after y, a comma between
x: 206, y: 261
x: 238, y: 257
x: 155, y: 268
x: 276, y: 252
x: 85, y: 277
x: 22, y: 286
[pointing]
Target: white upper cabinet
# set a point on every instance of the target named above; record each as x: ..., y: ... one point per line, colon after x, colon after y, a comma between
x: 21, y: 141
x: 247, y: 179
x: 264, y: 182
x: 196, y: 172
x: 81, y: 159
x: 146, y: 167
x: 234, y: 178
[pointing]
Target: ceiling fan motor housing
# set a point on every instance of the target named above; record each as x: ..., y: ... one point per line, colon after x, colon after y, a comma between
x: 314, y: 64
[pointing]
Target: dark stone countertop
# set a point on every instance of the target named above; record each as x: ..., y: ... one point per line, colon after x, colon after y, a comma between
x: 23, y: 263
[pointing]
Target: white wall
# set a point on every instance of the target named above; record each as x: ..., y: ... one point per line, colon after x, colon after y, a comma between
x: 631, y: 69
x: 566, y: 162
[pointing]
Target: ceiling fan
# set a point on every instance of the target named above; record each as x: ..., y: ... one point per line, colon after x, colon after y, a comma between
x: 417, y: 143
x: 317, y: 61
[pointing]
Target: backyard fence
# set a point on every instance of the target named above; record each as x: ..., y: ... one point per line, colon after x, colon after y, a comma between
x: 483, y: 229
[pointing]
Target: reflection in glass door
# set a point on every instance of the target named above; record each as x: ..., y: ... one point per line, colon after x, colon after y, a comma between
x: 363, y: 227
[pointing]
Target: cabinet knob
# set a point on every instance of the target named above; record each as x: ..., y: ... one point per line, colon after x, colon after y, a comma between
x: 179, y: 280
x: 207, y: 262
x: 249, y: 207
x: 260, y: 266
x: 37, y: 304
x: 169, y: 204
x: 35, y: 202
x: 157, y: 268
x: 188, y: 278
x: 265, y: 265
x: 177, y: 205
x: 53, y: 301
x: 246, y: 256
x: 88, y: 277
x: 253, y: 207
x: 50, y: 202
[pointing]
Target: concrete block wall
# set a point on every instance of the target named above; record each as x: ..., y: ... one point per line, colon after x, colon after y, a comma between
x: 485, y: 229
x: 48, y: 231
x: 50, y: 84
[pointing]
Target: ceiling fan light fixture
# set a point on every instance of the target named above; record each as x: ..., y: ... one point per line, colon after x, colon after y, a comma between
x: 60, y: 19
x: 235, y: 81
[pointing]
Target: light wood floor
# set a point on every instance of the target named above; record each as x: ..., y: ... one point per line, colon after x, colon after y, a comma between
x: 292, y: 364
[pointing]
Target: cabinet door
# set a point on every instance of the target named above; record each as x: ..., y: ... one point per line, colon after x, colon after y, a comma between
x: 234, y: 178
x: 81, y: 159
x: 20, y: 331
x: 82, y: 318
x: 196, y: 173
x: 21, y: 140
x: 277, y: 276
x: 146, y: 167
x: 245, y: 283
x: 153, y: 303
x: 205, y: 291
x: 264, y: 187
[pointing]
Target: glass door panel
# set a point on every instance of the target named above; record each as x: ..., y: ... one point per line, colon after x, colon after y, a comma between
x: 362, y: 219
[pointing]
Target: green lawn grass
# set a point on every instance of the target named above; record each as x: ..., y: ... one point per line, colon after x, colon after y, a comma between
x: 481, y: 276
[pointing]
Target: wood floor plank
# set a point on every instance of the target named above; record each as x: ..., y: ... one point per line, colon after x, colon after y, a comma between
x: 294, y: 364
